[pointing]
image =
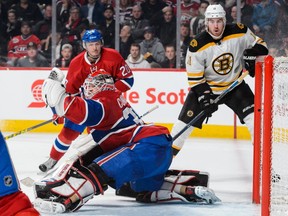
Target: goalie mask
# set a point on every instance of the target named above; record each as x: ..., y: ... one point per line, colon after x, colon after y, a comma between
x: 96, y: 83
x: 215, y: 12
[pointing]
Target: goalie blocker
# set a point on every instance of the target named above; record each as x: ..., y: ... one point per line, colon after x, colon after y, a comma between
x: 73, y: 184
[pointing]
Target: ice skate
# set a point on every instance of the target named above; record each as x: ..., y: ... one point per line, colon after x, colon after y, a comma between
x: 47, y: 165
x: 200, y: 194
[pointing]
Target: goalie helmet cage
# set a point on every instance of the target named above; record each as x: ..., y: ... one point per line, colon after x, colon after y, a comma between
x: 271, y: 136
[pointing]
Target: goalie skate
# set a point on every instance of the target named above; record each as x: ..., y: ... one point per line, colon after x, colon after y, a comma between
x: 201, y: 194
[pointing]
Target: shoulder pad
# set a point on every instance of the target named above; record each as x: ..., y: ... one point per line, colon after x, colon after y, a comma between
x: 200, y: 41
x: 236, y: 28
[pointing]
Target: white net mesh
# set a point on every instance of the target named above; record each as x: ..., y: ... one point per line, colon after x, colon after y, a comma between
x: 279, y: 157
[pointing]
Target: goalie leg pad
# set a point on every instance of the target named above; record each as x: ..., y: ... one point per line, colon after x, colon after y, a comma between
x: 188, y: 177
x: 71, y: 192
x: 160, y: 196
x: 198, y: 194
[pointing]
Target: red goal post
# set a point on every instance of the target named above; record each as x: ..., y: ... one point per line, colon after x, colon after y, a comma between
x: 270, y: 168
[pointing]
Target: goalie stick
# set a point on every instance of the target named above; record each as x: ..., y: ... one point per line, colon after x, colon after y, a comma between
x: 201, y: 114
x: 28, y: 129
x: 28, y: 181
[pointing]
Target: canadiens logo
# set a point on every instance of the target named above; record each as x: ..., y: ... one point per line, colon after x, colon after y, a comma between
x: 8, y: 181
x: 94, y: 68
x: 36, y: 91
x: 194, y: 43
x: 223, y: 64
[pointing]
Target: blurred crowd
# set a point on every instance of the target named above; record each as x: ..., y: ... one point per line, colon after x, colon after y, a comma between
x: 147, y: 28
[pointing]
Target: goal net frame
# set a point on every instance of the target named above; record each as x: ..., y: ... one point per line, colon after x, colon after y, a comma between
x: 266, y: 70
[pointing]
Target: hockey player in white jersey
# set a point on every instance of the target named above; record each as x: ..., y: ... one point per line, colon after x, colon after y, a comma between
x: 214, y: 61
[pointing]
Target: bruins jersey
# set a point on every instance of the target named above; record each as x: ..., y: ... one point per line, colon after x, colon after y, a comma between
x: 219, y: 62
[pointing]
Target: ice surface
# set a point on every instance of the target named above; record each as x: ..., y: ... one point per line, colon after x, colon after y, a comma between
x: 228, y: 161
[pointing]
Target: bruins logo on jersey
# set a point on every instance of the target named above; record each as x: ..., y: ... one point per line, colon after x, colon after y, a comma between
x: 194, y: 43
x: 240, y: 25
x: 223, y: 64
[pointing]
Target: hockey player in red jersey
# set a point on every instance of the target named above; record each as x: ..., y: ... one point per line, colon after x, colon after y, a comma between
x: 96, y: 58
x: 133, y: 152
x: 12, y: 200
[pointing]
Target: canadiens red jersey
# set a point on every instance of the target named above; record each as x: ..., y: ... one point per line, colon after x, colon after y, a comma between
x: 17, y: 204
x: 110, y: 61
x: 17, y: 46
x: 110, y: 119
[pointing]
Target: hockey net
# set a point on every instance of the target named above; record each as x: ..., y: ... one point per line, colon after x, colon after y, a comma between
x: 270, y: 171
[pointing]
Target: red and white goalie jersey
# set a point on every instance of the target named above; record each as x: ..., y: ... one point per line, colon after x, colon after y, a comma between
x: 110, y: 61
x: 110, y: 119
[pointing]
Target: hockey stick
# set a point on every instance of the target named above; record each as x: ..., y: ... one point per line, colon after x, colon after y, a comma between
x: 149, y: 111
x: 28, y: 129
x: 202, y: 113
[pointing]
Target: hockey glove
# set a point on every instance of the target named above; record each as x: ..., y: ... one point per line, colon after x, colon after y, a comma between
x: 206, y: 103
x: 57, y: 119
x: 249, y: 62
x: 205, y: 99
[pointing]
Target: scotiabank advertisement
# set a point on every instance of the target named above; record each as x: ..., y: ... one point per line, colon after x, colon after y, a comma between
x: 21, y: 95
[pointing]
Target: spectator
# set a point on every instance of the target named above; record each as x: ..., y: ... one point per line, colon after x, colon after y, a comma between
x: 152, y: 48
x: 136, y: 59
x: 151, y: 7
x: 125, y: 41
x: 13, y: 24
x: 170, y: 57
x: 189, y: 9
x: 62, y: 10
x: 18, y: 44
x: 165, y: 23
x: 93, y: 11
x: 28, y: 11
x: 197, y: 23
x: 47, y: 46
x: 33, y: 58
x: 273, y: 50
x: 246, y: 14
x: 42, y: 29
x: 233, y: 15
x: 137, y: 23
x: 66, y: 56
x: 125, y: 11
x: 184, y: 43
x: 3, y: 39
x: 107, y: 27
x: 72, y: 29
x: 264, y: 19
